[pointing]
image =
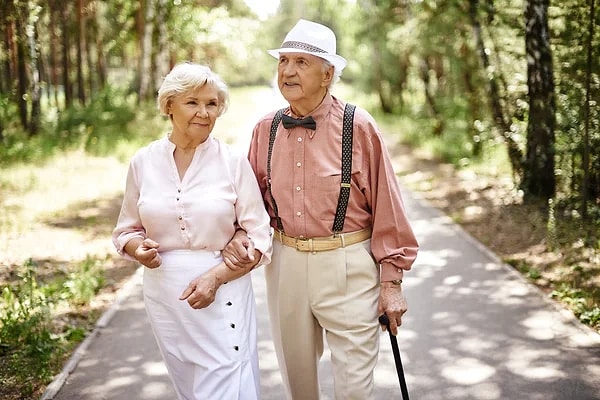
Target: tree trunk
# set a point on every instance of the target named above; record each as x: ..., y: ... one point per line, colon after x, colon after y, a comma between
x: 425, y: 68
x: 162, y: 56
x: 515, y: 155
x: 80, y: 51
x: 66, y: 58
x: 539, y: 180
x: 585, y: 192
x: 146, y: 56
x: 36, y: 90
x: 53, y: 61
x: 22, y: 81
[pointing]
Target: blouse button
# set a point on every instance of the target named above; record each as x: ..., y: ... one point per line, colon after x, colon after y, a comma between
x: 183, y: 228
x: 178, y: 199
x: 232, y: 326
x: 298, y: 213
x: 298, y: 164
x: 229, y: 303
x: 180, y: 218
x: 236, y: 348
x: 178, y: 190
x: 299, y: 139
x: 298, y: 188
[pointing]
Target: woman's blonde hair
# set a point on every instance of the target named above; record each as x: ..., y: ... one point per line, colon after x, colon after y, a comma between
x: 186, y: 77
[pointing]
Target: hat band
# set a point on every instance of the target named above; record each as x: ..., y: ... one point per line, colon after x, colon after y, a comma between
x: 302, y: 46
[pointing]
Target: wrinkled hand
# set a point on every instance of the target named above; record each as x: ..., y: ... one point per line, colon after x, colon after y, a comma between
x: 147, y: 254
x: 393, y: 303
x: 201, y: 292
x: 239, y: 253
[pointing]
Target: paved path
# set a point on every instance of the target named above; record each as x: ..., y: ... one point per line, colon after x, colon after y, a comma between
x: 475, y: 330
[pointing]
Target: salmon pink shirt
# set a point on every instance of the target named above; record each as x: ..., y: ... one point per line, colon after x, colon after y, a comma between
x: 306, y: 177
x: 198, y: 212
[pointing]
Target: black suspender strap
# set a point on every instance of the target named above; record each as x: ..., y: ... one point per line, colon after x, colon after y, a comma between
x: 347, y: 134
x: 274, y: 125
x: 340, y: 213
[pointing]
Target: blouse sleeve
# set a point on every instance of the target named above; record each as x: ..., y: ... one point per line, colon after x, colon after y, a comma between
x: 250, y: 210
x: 129, y: 224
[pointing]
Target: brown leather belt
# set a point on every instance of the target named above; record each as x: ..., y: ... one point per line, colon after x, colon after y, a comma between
x: 323, y: 243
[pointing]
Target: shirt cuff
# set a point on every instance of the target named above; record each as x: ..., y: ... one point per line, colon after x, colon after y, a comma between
x: 390, y: 272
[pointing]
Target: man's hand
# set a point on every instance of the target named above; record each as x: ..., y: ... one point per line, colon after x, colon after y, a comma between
x: 393, y: 303
x: 240, y: 253
x: 147, y: 254
x: 201, y: 292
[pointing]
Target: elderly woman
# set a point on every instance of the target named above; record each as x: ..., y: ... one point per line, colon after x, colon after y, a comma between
x: 185, y: 195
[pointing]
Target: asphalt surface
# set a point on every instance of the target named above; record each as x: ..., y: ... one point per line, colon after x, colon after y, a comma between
x: 475, y: 329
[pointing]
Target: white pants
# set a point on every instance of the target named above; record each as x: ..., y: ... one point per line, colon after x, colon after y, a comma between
x: 210, y: 353
x: 333, y: 293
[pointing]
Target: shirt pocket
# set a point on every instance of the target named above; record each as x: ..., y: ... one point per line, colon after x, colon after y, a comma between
x: 326, y: 191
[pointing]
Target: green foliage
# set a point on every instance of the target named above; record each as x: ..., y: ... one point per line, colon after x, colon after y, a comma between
x: 97, y: 126
x: 32, y: 339
x: 83, y: 283
x: 579, y: 302
x: 28, y: 344
x: 110, y: 125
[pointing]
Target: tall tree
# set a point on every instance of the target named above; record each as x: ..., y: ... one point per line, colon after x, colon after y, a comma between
x: 499, y: 113
x: 66, y: 54
x: 146, y: 67
x: 80, y: 50
x: 539, y: 179
x: 35, y: 73
x: 585, y: 187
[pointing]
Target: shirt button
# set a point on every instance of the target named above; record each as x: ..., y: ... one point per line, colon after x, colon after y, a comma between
x: 180, y: 217
x: 298, y: 164
x: 229, y: 303
x: 399, y: 270
x: 298, y: 213
x: 183, y: 228
x: 232, y: 326
x: 298, y: 188
x: 178, y: 199
x: 299, y: 139
x: 236, y: 348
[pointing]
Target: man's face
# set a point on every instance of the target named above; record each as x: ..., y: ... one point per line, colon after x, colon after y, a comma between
x: 302, y: 79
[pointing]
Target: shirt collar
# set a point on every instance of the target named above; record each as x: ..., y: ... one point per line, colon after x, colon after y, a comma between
x: 319, y: 114
x: 170, y: 146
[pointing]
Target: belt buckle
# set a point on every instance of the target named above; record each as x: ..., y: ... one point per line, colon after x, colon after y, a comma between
x: 298, y: 242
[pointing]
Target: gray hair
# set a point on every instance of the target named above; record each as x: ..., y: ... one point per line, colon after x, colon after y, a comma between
x: 186, y: 77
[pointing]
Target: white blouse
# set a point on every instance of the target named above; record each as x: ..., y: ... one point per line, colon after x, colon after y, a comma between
x: 198, y: 212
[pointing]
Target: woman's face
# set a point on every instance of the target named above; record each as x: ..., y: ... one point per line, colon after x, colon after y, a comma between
x: 193, y: 114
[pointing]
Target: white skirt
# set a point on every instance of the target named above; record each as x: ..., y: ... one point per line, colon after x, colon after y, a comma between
x: 210, y: 353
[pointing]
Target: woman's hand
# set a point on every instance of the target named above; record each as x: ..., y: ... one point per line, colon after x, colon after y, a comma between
x: 201, y: 292
x: 147, y: 254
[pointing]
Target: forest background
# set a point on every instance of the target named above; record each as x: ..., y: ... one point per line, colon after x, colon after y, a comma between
x: 495, y: 103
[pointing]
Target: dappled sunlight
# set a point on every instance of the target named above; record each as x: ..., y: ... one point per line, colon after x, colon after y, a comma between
x: 467, y: 371
x: 479, y: 331
x: 156, y: 368
x: 535, y: 364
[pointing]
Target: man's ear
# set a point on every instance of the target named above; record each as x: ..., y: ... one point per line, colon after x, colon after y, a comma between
x: 328, y: 75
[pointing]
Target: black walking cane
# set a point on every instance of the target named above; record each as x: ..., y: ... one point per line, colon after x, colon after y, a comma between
x: 384, y: 320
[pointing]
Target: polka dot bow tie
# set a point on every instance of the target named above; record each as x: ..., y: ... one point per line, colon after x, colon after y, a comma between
x: 289, y: 122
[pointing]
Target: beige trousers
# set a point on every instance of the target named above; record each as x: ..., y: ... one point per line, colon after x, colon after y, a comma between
x: 332, y: 294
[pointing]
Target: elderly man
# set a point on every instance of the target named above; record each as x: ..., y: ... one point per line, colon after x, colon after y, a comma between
x: 342, y: 236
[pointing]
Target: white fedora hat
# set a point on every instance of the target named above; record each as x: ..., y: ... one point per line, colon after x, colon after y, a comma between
x: 311, y: 38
